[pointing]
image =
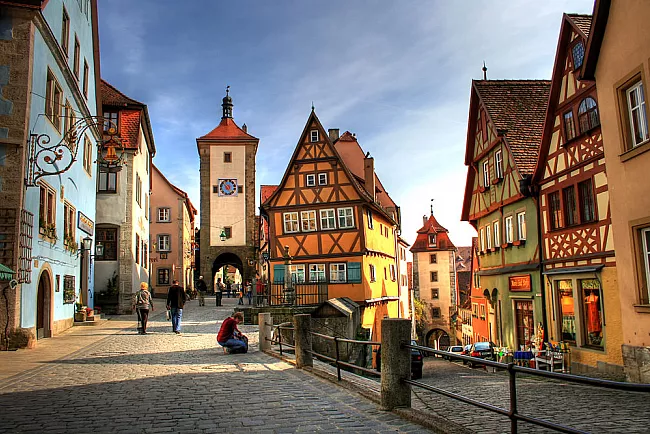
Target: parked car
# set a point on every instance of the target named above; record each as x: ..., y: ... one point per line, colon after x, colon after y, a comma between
x: 481, y: 350
x: 465, y: 352
x: 416, y: 362
x: 454, y: 349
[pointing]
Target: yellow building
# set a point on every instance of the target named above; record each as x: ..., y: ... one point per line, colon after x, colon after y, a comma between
x: 339, y: 224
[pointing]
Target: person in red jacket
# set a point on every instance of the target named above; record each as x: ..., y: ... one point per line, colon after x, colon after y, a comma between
x: 230, y: 338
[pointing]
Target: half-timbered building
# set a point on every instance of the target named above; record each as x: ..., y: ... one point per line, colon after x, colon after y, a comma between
x: 503, y: 138
x: 338, y: 222
x: 579, y: 264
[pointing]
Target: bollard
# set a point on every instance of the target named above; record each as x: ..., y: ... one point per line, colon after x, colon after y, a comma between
x: 266, y: 331
x: 395, y: 363
x: 302, y: 337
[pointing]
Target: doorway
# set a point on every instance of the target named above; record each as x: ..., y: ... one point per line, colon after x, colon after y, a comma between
x: 43, y: 307
x: 524, y: 323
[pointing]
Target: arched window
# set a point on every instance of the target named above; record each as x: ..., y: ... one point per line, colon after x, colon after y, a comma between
x: 588, y: 114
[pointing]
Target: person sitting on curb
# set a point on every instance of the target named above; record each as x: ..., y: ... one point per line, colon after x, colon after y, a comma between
x: 230, y: 338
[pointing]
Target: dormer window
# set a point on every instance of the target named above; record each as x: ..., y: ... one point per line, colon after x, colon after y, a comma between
x: 313, y: 136
x: 432, y: 240
x: 578, y: 52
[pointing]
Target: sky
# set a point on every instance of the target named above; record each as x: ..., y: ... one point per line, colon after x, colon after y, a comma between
x: 396, y: 73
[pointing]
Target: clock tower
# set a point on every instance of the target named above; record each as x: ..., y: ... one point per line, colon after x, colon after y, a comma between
x: 227, y: 168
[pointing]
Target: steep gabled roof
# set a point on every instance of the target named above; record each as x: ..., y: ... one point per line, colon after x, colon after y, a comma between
x: 188, y: 203
x: 267, y: 191
x: 431, y: 226
x: 113, y: 97
x: 517, y: 108
x: 229, y: 130
x: 582, y: 22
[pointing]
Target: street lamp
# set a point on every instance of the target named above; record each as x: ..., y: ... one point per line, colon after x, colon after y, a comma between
x: 223, y: 235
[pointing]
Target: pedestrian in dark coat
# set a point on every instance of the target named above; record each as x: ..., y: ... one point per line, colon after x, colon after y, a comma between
x: 175, y: 302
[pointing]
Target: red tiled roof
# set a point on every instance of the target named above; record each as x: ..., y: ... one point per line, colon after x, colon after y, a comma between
x: 227, y: 129
x: 432, y: 226
x: 113, y: 97
x: 582, y: 22
x: 464, y: 258
x: 518, y: 108
x: 267, y: 191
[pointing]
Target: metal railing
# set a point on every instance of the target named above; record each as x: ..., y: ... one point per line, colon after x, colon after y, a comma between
x: 279, y: 328
x: 298, y: 294
x: 512, y: 370
x: 337, y: 360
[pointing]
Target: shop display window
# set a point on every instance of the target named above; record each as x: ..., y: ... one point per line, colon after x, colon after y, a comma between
x: 592, y: 312
x: 567, y: 310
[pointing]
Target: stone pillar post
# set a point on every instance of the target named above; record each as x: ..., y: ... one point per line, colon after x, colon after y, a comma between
x: 395, y: 363
x: 266, y: 331
x: 302, y: 336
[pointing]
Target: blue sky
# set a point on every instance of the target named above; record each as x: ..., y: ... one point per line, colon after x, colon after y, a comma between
x: 397, y: 74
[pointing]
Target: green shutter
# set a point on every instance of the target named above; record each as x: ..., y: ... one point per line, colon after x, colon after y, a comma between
x: 278, y: 273
x: 354, y: 272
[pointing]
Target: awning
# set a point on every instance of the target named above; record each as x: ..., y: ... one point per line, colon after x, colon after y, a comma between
x: 574, y: 270
x: 508, y: 269
x: 6, y: 273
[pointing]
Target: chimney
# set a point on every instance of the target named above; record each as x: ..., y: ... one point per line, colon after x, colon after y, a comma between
x: 333, y: 133
x: 369, y: 174
x: 424, y: 220
x: 244, y: 128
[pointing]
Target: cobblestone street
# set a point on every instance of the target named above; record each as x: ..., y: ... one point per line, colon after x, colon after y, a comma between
x: 581, y: 407
x: 164, y: 382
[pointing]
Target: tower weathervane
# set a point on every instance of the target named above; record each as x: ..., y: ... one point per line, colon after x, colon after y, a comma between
x: 484, y: 71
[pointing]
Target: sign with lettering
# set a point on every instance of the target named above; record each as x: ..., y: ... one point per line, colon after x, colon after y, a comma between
x: 85, y: 224
x: 520, y: 283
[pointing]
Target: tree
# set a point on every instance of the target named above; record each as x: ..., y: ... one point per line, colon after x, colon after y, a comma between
x: 420, y: 317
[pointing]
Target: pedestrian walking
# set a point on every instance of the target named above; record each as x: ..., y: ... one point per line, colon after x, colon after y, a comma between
x: 249, y: 292
x: 218, y: 291
x: 259, y: 289
x: 175, y: 303
x: 230, y: 338
x: 240, y: 294
x: 228, y: 288
x: 143, y: 304
x: 202, y: 288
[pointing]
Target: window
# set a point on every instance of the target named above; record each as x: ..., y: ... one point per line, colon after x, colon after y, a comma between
x: 85, y: 81
x: 69, y: 214
x: 111, y: 120
x: 498, y: 163
x: 637, y: 114
x: 310, y: 180
x: 137, y: 248
x: 432, y: 240
x: 486, y: 174
x: 482, y: 311
x: 497, y: 235
x: 434, y: 276
x: 164, y: 215
x: 327, y: 219
x: 475, y: 310
x: 346, y: 219
x: 645, y: 251
x: 146, y: 206
x: 47, y: 211
x: 587, y: 206
x: 436, y: 313
x: 106, y: 181
x: 297, y: 273
x: 228, y: 231
x: 164, y: 243
x: 373, y: 277
x: 163, y: 276
x: 393, y: 273
x: 88, y: 155
x: 369, y: 217
x: 588, y: 115
x: 290, y: 222
x: 322, y: 179
x: 592, y: 318
x: 507, y: 223
x: 433, y: 258
x: 337, y: 273
x: 482, y: 239
x: 435, y: 293
x: 569, y: 126
x: 570, y: 210
x: 107, y: 237
x: 145, y: 254
x: 53, y: 97
x: 65, y: 32
x: 317, y: 272
x: 488, y: 236
x: 76, y: 60
x: 240, y: 189
x: 578, y: 55
x: 564, y: 290
x: 138, y: 190
x: 313, y: 136
x: 69, y: 118
x: 227, y: 157
x: 521, y: 225
x: 555, y: 212
x: 308, y: 220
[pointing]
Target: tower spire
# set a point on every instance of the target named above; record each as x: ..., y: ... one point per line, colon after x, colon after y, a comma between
x: 227, y: 104
x: 484, y: 71
x: 431, y: 206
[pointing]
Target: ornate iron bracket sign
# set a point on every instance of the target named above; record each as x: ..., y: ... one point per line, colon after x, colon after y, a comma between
x: 45, y: 160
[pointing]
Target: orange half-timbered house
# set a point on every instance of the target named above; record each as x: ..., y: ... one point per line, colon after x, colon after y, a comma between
x: 579, y: 264
x: 338, y: 222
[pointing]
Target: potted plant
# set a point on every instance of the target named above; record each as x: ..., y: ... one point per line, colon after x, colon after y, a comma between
x: 70, y: 244
x: 48, y: 230
x: 80, y: 314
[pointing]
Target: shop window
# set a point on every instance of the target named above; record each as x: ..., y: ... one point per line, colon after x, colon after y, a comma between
x: 588, y: 115
x: 587, y: 205
x: 564, y: 290
x: 107, y: 237
x: 569, y: 126
x: 524, y: 323
x: 555, y: 212
x: 592, y: 313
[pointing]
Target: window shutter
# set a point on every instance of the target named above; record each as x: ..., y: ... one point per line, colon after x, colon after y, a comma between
x: 354, y: 272
x: 278, y: 273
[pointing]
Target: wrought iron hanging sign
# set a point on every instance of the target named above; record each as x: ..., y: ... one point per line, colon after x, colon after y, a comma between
x: 46, y: 159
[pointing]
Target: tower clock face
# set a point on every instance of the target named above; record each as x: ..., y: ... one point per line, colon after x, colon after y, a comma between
x: 227, y: 187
